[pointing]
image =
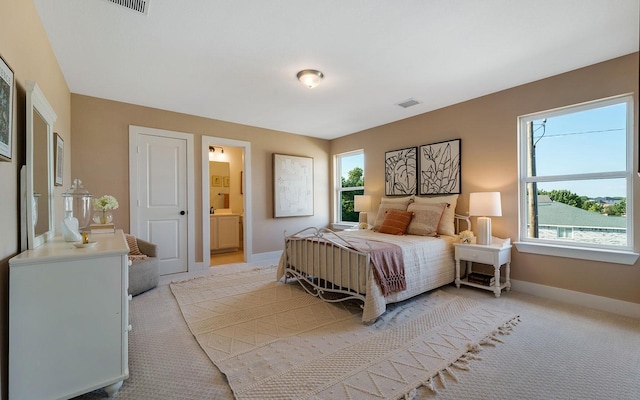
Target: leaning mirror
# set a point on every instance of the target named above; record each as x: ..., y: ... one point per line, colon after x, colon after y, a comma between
x: 39, y: 168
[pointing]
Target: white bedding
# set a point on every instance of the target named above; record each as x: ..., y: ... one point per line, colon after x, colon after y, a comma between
x: 428, y: 264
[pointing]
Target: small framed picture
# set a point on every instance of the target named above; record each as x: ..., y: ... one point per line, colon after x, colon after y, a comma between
x: 216, y: 180
x: 58, y: 159
x: 225, y: 181
x: 6, y: 110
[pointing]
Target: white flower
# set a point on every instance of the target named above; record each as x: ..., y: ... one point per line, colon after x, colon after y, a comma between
x: 106, y: 202
x: 466, y: 235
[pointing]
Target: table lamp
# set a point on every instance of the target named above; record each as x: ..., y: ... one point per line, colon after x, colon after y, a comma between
x: 362, y: 204
x: 484, y: 205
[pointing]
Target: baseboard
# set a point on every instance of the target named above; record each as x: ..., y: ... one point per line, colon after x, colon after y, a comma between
x: 625, y: 308
x: 269, y: 257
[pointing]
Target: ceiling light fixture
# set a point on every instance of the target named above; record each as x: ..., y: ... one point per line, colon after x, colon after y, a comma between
x: 310, y: 77
x: 212, y: 149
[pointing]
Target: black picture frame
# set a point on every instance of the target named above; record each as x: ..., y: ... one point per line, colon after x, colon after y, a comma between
x: 400, y: 172
x: 6, y: 110
x: 440, y: 168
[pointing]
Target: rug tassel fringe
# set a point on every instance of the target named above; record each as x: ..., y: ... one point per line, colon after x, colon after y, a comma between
x: 411, y: 395
x: 464, y: 361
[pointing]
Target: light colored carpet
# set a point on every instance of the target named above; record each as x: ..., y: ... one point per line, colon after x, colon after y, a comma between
x: 275, y: 341
x: 559, y: 351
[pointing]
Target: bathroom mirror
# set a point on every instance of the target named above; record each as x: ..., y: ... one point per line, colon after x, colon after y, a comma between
x: 39, y: 168
x: 219, y: 188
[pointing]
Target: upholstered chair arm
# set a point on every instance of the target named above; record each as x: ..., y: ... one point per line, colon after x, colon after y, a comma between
x: 148, y: 248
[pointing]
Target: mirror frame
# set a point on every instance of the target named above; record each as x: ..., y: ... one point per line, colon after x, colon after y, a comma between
x: 36, y: 102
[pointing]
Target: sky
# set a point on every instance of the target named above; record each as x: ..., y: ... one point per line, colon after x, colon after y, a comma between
x: 587, y: 141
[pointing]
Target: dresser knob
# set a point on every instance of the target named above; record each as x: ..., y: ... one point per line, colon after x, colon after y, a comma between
x: 129, y: 328
x: 130, y: 297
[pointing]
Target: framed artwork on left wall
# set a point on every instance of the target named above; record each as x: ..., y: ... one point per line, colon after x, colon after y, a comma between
x: 58, y: 159
x: 6, y: 110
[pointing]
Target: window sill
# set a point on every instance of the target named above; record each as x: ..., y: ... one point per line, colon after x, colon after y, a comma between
x: 611, y: 256
x: 340, y: 226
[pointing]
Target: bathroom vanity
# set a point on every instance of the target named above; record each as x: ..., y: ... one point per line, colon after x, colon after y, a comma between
x: 224, y: 232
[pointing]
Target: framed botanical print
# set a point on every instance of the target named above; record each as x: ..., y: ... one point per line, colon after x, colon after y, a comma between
x: 400, y: 168
x: 440, y: 168
x: 6, y: 110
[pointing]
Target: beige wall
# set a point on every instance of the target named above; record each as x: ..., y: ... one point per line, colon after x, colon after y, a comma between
x: 488, y: 129
x: 25, y: 48
x: 100, y: 158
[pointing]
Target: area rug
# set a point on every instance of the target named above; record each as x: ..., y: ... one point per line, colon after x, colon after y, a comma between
x: 273, y: 340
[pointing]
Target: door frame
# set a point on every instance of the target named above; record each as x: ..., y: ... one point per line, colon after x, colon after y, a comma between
x: 247, y: 237
x: 134, y: 131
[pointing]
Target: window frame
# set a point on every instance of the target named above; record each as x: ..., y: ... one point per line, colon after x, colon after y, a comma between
x: 337, y: 198
x: 565, y: 248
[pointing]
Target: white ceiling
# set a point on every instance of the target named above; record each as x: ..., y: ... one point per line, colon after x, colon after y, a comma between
x: 237, y: 60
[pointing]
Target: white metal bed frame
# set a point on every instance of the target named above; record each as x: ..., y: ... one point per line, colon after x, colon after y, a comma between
x: 302, y: 264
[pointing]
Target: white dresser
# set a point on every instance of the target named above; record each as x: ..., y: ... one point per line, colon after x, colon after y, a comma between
x: 68, y: 319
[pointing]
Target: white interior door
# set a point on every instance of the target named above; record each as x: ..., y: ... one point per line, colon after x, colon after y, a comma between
x: 160, y: 195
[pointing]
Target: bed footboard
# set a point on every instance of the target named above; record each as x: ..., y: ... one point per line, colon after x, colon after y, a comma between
x: 325, y: 265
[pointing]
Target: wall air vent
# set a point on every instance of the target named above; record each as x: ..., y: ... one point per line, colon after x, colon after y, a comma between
x: 408, y: 103
x: 141, y: 6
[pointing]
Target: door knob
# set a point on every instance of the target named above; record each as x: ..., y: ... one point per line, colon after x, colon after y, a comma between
x: 183, y: 212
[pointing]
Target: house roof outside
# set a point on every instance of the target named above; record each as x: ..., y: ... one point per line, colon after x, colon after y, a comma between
x: 554, y: 213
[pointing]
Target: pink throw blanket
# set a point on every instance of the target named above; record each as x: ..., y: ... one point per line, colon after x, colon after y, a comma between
x: 387, y: 263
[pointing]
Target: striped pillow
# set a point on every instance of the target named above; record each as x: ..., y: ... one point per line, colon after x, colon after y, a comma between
x: 426, y: 218
x: 395, y: 222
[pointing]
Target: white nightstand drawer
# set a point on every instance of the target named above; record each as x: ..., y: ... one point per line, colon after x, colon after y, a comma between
x: 474, y: 255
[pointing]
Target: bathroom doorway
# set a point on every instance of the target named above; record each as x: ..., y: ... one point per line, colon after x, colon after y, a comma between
x: 226, y: 201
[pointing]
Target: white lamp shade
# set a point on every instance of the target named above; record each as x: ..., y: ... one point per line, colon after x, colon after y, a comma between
x: 361, y: 202
x: 485, y: 204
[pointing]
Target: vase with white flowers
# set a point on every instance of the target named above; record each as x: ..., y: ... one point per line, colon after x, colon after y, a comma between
x: 466, y: 236
x: 103, y: 206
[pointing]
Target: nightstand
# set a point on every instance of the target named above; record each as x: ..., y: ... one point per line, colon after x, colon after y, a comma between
x: 498, y: 253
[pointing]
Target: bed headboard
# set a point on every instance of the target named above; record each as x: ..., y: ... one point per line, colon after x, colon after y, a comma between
x: 462, y: 218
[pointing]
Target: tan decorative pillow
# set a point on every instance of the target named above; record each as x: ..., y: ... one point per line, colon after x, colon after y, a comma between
x: 426, y: 218
x: 447, y: 222
x: 390, y: 204
x: 396, y: 222
x: 134, y: 250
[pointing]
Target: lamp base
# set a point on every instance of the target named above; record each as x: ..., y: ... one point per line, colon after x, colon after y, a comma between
x: 484, y: 231
x: 363, y: 220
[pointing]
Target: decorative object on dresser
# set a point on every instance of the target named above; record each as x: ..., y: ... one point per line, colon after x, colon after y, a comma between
x: 69, y: 319
x: 484, y: 205
x: 496, y: 254
x: 78, y: 200
x: 292, y: 186
x: 274, y: 341
x: 440, y: 171
x: 103, y: 207
x: 362, y: 204
x: 400, y: 169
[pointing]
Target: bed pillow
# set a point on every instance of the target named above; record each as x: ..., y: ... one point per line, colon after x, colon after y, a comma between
x: 386, y: 204
x: 426, y: 218
x: 447, y: 222
x: 395, y: 222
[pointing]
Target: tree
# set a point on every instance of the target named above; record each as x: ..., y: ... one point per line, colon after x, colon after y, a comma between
x: 355, y: 178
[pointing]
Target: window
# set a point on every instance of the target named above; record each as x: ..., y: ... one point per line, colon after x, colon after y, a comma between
x: 576, y: 176
x: 349, y: 182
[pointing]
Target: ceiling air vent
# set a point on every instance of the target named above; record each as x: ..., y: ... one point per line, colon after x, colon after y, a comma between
x: 141, y: 6
x: 408, y: 103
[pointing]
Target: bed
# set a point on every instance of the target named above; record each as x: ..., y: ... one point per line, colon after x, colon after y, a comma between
x: 336, y: 266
